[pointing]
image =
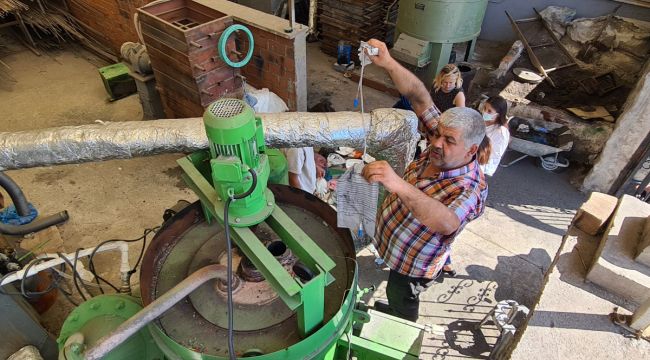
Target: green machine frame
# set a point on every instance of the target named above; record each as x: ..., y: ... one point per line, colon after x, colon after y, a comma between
x: 236, y: 146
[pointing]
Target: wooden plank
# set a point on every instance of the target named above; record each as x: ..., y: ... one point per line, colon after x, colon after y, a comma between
x: 169, y: 82
x: 542, y: 45
x: 163, y: 27
x: 210, y: 31
x: 529, y: 50
x: 165, y: 59
x: 216, y: 76
x: 164, y: 38
x: 177, y: 105
x: 560, y: 67
x: 375, y: 85
x: 207, y: 59
x: 162, y: 7
x: 217, y: 91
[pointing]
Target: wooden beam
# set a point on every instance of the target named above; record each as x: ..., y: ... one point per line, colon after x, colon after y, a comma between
x: 377, y: 85
x: 529, y: 50
x: 641, y: 3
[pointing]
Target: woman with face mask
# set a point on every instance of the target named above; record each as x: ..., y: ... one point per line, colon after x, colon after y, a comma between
x: 496, y: 129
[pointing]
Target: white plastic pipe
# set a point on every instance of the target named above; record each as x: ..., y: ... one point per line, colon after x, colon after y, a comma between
x: 122, y: 246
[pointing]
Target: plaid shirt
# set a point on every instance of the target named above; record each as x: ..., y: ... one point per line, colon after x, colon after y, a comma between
x: 410, y: 247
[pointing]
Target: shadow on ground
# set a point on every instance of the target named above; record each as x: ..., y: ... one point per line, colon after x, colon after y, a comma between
x: 533, y: 196
x: 514, y: 276
x: 573, y: 266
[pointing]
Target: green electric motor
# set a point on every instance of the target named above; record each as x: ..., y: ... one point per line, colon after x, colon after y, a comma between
x: 239, y: 160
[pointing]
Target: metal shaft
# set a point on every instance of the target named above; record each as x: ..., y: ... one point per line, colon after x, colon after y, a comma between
x: 154, y: 310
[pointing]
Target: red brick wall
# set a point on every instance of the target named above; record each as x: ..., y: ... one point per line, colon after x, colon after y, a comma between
x: 109, y: 21
x: 272, y: 66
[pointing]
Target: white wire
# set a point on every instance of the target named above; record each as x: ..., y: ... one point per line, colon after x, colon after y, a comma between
x: 363, y: 121
x: 362, y: 54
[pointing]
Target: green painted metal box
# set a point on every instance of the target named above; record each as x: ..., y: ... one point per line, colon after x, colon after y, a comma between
x: 279, y: 167
x: 117, y: 81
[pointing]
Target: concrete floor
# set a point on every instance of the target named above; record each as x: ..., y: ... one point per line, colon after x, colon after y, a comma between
x: 502, y: 255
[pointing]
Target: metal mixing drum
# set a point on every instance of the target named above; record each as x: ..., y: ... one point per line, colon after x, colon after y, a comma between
x: 263, y: 323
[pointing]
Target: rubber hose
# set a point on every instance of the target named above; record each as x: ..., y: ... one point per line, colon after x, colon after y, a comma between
x: 16, y: 194
x: 223, y: 45
x: 35, y: 225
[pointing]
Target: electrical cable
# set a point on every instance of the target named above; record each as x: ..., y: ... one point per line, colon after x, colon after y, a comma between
x: 74, y: 277
x: 66, y: 293
x: 231, y: 338
x: 91, y: 264
x: 22, y: 283
x: 365, y: 51
x: 75, y: 274
x: 54, y: 285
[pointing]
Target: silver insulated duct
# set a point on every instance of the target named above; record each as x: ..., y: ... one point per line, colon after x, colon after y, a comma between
x: 390, y: 134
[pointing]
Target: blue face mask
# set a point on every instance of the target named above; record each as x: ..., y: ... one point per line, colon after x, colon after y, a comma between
x: 489, y: 117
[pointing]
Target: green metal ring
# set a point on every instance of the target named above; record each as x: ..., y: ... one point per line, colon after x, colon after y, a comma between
x: 223, y: 41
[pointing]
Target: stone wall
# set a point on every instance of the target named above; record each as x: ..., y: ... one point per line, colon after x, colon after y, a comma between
x: 632, y: 128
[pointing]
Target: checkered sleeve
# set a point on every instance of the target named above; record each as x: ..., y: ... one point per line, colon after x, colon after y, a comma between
x: 429, y: 118
x: 467, y: 206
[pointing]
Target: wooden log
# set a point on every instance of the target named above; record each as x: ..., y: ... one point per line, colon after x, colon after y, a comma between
x: 507, y: 61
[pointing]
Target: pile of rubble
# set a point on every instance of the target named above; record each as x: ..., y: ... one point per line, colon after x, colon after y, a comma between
x: 605, y: 43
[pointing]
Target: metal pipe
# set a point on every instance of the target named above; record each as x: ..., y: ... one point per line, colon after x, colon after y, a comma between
x: 154, y: 310
x: 291, y: 9
x: 313, y: 9
x: 15, y: 193
x: 391, y: 135
x: 36, y: 225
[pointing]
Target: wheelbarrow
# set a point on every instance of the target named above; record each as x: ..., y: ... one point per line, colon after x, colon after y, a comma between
x: 542, y: 139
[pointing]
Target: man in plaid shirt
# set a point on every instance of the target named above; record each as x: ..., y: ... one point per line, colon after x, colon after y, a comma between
x: 439, y: 194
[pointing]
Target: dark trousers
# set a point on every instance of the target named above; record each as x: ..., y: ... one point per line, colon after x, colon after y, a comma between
x: 403, y: 293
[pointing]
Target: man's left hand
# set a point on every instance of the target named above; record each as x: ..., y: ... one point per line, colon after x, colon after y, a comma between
x: 382, y: 172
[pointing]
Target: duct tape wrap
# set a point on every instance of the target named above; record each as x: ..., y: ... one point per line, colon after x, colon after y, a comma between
x: 391, y: 135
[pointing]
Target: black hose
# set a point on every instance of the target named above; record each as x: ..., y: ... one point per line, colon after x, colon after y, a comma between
x: 231, y: 337
x: 35, y: 225
x: 16, y: 194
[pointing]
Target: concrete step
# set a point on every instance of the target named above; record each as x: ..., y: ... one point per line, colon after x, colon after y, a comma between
x: 614, y: 267
x: 643, y: 251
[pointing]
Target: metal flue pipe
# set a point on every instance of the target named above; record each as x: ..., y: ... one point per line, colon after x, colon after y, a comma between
x: 390, y: 134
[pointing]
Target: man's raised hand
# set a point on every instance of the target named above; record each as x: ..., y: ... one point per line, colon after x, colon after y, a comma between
x: 382, y: 172
x: 383, y: 59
